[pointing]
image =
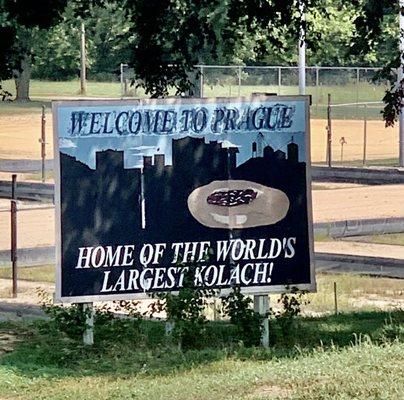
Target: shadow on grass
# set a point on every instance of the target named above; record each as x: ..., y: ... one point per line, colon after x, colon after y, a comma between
x: 145, y: 349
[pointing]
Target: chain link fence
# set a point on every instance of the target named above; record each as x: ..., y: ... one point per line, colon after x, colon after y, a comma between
x: 359, y: 136
x: 362, y: 139
x: 345, y: 84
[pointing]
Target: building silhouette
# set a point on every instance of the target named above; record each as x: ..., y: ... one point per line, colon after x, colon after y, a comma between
x: 113, y: 205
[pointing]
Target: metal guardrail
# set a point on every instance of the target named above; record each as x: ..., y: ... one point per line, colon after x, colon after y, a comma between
x: 361, y: 227
x: 28, y: 191
x: 370, y: 176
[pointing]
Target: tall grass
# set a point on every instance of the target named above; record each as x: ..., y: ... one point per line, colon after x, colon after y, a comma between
x: 343, y: 357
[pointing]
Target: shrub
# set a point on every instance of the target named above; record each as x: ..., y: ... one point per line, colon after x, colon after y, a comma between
x: 248, y: 323
x: 185, y: 311
x: 283, y: 323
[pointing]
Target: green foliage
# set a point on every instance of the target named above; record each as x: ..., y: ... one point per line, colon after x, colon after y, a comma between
x: 185, y: 311
x: 71, y: 320
x: 393, y: 329
x: 248, y: 323
x: 20, y: 22
x: 284, y: 322
x: 5, y: 95
x: 108, y: 43
x: 205, y: 31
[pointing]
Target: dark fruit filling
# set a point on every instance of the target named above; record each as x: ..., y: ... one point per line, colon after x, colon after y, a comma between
x: 231, y: 198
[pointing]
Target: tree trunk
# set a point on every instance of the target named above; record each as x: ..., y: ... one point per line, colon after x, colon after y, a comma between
x: 22, y: 78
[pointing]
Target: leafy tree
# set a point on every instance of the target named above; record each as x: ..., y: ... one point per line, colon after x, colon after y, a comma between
x: 108, y: 43
x: 173, y: 35
x: 376, y: 19
x: 58, y: 55
x: 22, y: 23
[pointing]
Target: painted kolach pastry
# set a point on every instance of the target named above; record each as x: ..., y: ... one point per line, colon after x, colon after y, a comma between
x: 237, y: 204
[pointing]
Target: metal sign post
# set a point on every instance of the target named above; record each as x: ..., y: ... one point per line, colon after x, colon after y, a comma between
x: 261, y: 306
x: 88, y: 335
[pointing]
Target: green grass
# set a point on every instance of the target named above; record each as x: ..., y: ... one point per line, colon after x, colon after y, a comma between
x: 355, y: 293
x: 322, y: 238
x: 348, y: 93
x: 44, y: 273
x: 333, y: 186
x: 54, y: 89
x: 350, y: 356
x: 49, y: 175
x: 32, y: 107
x: 390, y: 238
x: 386, y: 238
x: 382, y: 162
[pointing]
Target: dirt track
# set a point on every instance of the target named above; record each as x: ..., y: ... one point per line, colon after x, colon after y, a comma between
x: 19, y: 136
x: 358, y: 203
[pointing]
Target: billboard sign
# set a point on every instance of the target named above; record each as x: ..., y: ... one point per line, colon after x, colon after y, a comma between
x: 146, y: 188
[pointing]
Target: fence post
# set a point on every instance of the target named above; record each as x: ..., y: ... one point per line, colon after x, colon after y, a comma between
x: 88, y: 334
x: 201, y: 82
x: 279, y: 80
x: 14, y: 232
x: 43, y: 143
x: 335, y: 299
x: 125, y: 87
x: 365, y: 133
x: 121, y: 80
x: 342, y: 142
x: 239, y: 81
x: 261, y: 306
x: 329, y: 132
x: 317, y: 87
x: 357, y: 86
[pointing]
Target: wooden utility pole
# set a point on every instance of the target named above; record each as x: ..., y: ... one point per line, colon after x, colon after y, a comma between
x: 302, y: 49
x: 329, y: 132
x: 83, y: 82
x: 400, y: 83
x: 14, y: 232
x: 365, y: 130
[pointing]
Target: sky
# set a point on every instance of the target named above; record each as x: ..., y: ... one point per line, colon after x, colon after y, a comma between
x: 147, y: 143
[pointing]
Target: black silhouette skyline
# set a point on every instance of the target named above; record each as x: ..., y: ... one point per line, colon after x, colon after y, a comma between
x: 114, y: 206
